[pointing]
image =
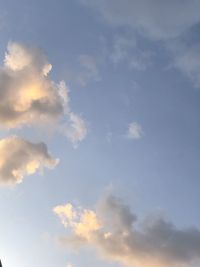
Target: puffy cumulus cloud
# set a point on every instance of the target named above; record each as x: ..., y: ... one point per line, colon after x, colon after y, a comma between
x: 19, y: 157
x: 114, y: 231
x: 157, y: 19
x: 28, y: 95
x: 134, y: 130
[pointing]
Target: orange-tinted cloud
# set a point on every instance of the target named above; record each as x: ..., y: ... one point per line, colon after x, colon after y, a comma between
x: 19, y: 157
x: 113, y: 230
x: 30, y: 97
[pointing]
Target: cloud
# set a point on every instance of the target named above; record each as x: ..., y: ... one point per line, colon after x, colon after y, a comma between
x: 126, y: 49
x: 88, y: 70
x: 186, y: 58
x: 76, y: 131
x: 113, y: 230
x: 155, y: 19
x: 19, y: 157
x: 134, y: 131
x: 28, y: 95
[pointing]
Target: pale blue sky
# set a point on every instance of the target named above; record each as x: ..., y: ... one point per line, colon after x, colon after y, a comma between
x: 124, y: 62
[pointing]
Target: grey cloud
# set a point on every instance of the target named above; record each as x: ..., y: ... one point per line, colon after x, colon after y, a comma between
x: 117, y: 235
x: 19, y: 157
x: 158, y: 19
x: 88, y: 70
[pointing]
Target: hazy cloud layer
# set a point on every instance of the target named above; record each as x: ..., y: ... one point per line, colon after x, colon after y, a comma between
x: 19, y: 157
x: 158, y: 20
x: 153, y: 18
x: 115, y: 233
x: 28, y: 95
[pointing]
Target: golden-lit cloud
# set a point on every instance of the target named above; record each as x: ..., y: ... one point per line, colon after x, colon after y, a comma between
x: 19, y: 157
x: 117, y: 236
x: 30, y: 97
x: 83, y: 221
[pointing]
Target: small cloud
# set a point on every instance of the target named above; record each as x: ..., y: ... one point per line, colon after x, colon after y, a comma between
x: 135, y: 131
x: 19, y: 157
x: 76, y: 129
x: 88, y: 70
x: 126, y: 50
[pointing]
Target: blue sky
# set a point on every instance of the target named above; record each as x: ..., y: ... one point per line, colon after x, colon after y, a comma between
x: 100, y: 124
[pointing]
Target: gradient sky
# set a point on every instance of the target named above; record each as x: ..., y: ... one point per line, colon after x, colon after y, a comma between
x: 124, y: 123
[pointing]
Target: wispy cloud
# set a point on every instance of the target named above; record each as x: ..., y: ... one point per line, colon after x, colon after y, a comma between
x: 114, y: 231
x: 88, y: 70
x: 126, y: 49
x: 155, y: 19
x: 186, y: 58
x: 163, y: 21
x: 19, y: 157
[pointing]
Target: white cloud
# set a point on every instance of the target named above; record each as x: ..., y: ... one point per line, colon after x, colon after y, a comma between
x: 135, y: 130
x: 116, y: 235
x: 153, y: 18
x: 19, y: 157
x: 77, y: 130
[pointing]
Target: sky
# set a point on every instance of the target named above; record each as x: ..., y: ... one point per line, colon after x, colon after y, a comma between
x: 100, y: 126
